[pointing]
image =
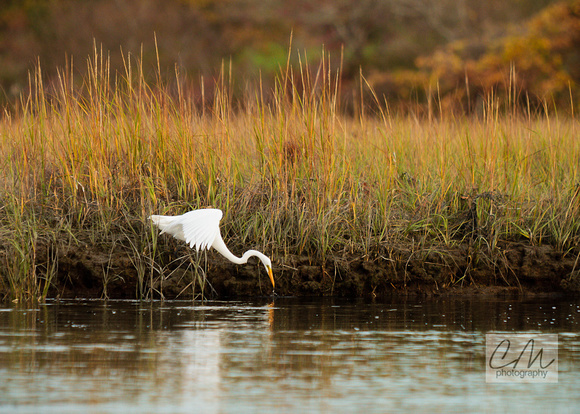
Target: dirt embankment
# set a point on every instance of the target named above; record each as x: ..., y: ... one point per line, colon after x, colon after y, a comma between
x: 516, y: 268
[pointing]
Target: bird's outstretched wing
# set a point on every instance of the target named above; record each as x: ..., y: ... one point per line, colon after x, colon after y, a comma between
x: 201, y: 227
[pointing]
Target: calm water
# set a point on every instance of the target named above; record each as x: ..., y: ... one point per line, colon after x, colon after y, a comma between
x: 291, y: 355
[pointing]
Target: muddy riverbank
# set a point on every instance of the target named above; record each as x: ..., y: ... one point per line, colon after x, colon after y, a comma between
x: 515, y: 269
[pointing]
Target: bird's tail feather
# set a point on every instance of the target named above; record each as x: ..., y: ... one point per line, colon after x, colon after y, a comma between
x: 162, y: 221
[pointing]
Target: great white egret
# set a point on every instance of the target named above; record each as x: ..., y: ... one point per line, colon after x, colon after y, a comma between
x: 201, y: 228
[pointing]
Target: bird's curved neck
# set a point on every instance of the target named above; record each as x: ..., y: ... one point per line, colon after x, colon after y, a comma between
x: 251, y: 253
x: 221, y: 247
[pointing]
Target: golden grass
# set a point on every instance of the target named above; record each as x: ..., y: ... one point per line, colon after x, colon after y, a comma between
x: 86, y: 163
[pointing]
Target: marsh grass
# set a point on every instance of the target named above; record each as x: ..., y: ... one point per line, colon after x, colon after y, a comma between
x: 85, y: 161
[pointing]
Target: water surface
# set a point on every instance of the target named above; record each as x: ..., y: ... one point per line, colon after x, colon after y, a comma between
x: 287, y: 355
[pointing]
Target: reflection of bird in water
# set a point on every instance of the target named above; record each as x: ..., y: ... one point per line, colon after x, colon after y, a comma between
x: 201, y: 228
x: 271, y: 315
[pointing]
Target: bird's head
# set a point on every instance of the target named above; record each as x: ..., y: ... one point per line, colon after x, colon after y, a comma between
x: 264, y: 259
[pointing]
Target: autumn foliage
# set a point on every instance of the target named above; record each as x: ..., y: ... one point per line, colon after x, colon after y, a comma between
x: 535, y: 64
x: 415, y: 54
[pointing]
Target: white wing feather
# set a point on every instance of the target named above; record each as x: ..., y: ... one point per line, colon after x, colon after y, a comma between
x: 197, y: 228
x: 201, y: 227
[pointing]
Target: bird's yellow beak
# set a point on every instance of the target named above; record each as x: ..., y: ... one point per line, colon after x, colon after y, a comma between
x: 271, y: 275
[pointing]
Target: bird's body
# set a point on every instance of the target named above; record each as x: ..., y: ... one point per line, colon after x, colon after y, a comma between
x: 200, y: 229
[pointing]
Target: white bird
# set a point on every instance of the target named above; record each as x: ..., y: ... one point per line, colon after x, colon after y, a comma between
x: 201, y: 228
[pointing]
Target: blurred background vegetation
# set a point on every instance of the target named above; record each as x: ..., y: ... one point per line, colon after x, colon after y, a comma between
x: 409, y: 51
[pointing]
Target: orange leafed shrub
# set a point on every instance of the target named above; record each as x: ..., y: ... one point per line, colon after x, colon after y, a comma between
x: 540, y: 62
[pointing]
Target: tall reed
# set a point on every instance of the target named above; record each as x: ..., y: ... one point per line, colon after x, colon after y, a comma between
x: 86, y: 160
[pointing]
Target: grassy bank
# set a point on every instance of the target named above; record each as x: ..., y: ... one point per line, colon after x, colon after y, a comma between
x: 358, y: 204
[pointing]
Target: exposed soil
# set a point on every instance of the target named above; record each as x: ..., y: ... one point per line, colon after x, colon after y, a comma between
x: 517, y: 269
